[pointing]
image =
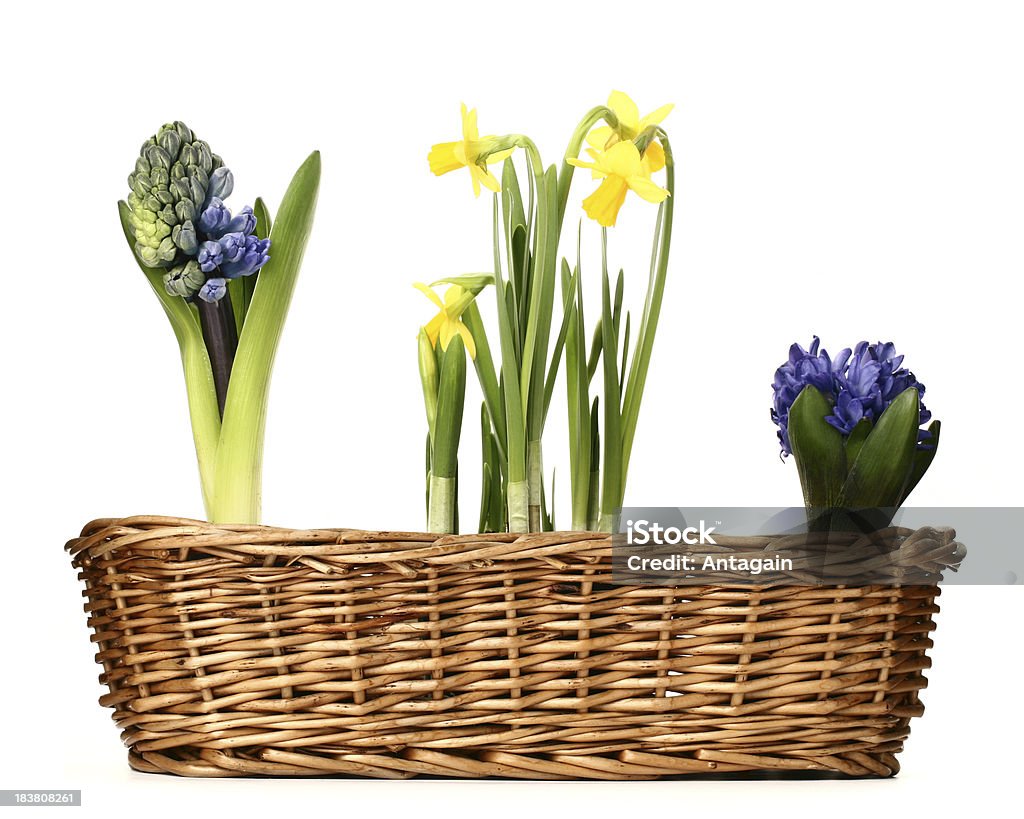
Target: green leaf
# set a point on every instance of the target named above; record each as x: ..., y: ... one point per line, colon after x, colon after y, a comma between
x: 240, y: 457
x: 856, y: 439
x: 451, y: 398
x: 612, y: 486
x: 878, y: 477
x: 195, y: 361
x: 515, y: 448
x: 427, y: 361
x: 473, y: 282
x: 818, y: 450
x: 568, y: 308
x: 486, y: 375
x: 923, y: 459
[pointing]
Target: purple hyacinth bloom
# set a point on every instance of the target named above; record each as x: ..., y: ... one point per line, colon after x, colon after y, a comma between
x: 847, y: 412
x: 215, y: 218
x: 860, y: 383
x: 250, y: 257
x: 804, y: 368
x: 210, y: 256
x: 213, y: 290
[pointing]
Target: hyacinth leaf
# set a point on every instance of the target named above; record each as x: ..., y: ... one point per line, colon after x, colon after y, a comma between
x: 817, y: 449
x: 923, y: 459
x: 878, y: 477
x: 241, y: 449
x: 202, y: 396
x: 858, y: 435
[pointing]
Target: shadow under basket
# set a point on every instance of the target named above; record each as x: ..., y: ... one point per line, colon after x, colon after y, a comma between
x: 249, y: 650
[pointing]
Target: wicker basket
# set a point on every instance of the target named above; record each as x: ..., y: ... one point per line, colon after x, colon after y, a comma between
x: 240, y: 650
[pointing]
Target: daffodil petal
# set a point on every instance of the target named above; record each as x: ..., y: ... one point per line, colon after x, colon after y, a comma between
x: 600, y: 137
x: 656, y: 116
x: 654, y: 157
x: 646, y: 189
x: 603, y: 204
x: 452, y: 296
x: 622, y: 159
x: 433, y: 328
x: 467, y: 338
x: 470, y: 133
x: 443, y: 158
x: 627, y: 112
x: 474, y: 173
x: 486, y: 178
x: 579, y: 163
x: 430, y: 294
x: 500, y: 156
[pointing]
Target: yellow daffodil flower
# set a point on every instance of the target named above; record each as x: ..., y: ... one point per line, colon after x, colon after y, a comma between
x: 631, y: 125
x: 448, y: 323
x: 622, y: 169
x: 471, y: 152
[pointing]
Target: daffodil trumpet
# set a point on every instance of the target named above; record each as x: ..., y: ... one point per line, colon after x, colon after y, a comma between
x: 624, y: 151
x: 202, y: 263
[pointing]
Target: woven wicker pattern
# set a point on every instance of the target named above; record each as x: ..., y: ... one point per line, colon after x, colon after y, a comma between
x: 251, y: 650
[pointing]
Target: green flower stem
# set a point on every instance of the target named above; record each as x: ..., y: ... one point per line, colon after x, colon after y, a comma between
x: 590, y: 119
x: 240, y: 453
x: 195, y: 362
x: 641, y: 360
x: 217, y: 321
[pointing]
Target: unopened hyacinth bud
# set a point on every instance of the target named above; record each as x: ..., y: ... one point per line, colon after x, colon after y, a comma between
x: 184, y: 238
x: 169, y: 186
x: 184, y: 280
x: 180, y: 221
x: 221, y: 184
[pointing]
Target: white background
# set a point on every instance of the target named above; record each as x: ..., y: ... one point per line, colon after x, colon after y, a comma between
x: 849, y: 169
